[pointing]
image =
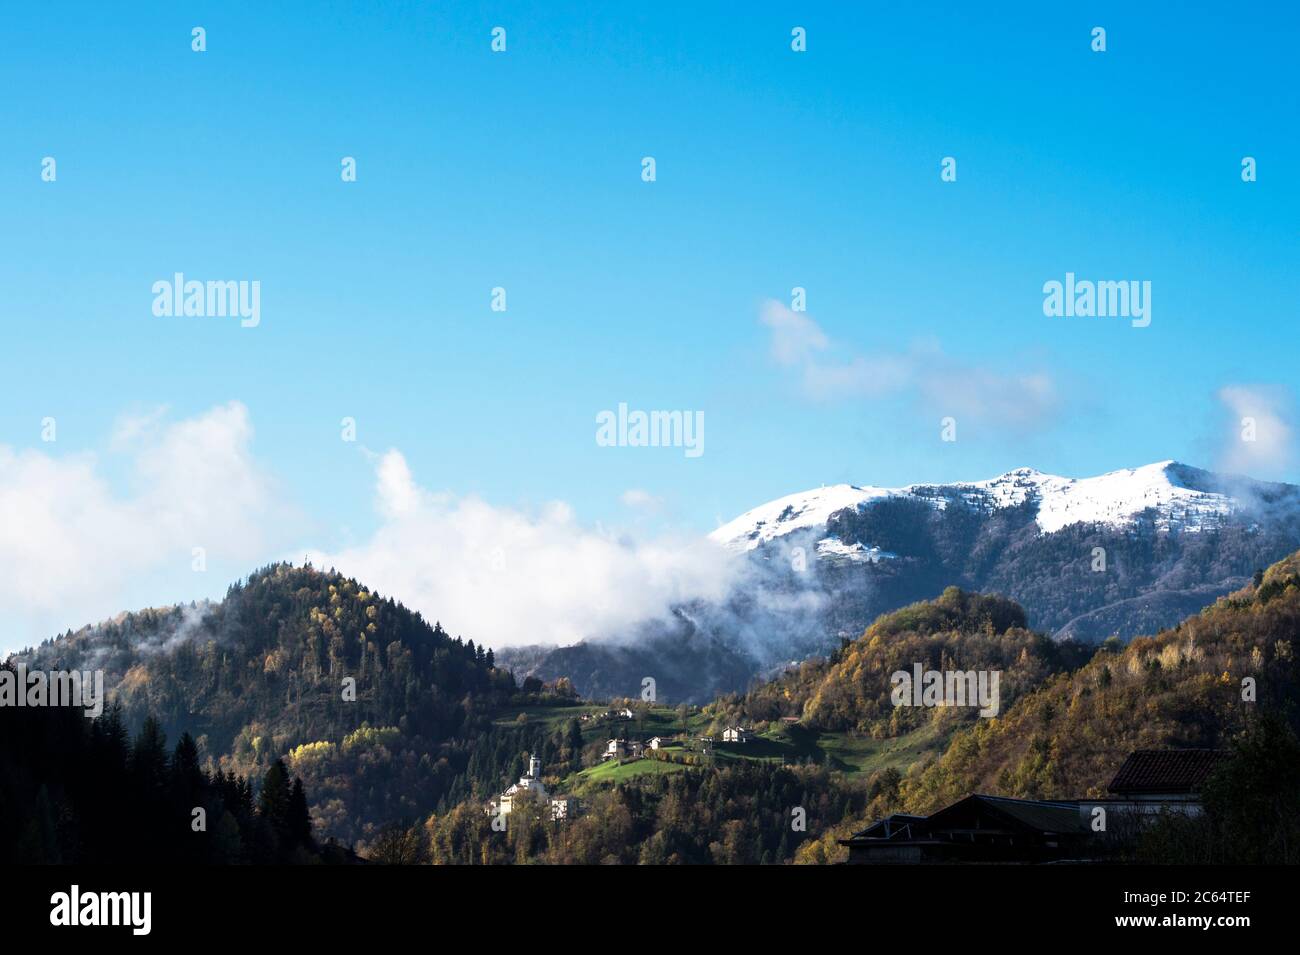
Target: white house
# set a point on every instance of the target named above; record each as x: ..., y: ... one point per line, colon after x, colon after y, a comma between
x: 659, y: 742
x: 735, y: 734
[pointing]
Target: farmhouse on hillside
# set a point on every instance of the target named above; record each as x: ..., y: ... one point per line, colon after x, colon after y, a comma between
x: 624, y: 713
x: 623, y: 748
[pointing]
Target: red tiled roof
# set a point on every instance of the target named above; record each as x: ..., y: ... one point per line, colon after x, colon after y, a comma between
x: 1165, y: 770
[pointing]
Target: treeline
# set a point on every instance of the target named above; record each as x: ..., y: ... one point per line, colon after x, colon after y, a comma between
x: 740, y: 814
x: 79, y: 790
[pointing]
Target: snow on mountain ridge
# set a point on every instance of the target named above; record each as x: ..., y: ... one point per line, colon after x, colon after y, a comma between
x: 1114, y: 498
x: 794, y: 512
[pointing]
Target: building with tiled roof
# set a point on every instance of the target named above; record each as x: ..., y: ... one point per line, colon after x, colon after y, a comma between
x: 982, y: 828
x: 1164, y: 774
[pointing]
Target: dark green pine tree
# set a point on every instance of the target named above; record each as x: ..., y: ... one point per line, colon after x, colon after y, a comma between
x: 39, y: 840
x: 187, y: 775
x: 272, y: 840
x: 273, y: 802
x: 299, y: 816
x: 149, y: 757
x: 244, y: 795
x: 111, y: 739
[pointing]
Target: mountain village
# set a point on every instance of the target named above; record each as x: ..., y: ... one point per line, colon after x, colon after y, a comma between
x: 530, y: 786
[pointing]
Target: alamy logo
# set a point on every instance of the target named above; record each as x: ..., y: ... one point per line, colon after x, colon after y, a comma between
x: 195, y: 299
x: 653, y: 429
x: 924, y: 687
x: 85, y: 689
x: 102, y: 908
x: 1087, y: 299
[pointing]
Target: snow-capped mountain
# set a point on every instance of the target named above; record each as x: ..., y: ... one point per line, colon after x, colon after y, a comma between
x: 1120, y: 554
x: 1175, y: 496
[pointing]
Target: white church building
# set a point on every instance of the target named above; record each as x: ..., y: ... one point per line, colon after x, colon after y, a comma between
x: 530, y: 787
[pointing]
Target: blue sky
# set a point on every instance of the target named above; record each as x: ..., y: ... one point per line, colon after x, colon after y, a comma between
x: 521, y: 169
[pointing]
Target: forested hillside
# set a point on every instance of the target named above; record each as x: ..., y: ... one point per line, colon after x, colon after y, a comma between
x: 1205, y: 683
x: 373, y: 706
x: 958, y: 631
x: 1182, y: 687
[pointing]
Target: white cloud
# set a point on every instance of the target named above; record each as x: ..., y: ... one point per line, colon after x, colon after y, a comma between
x: 503, y: 576
x: 641, y: 500
x: 1015, y: 401
x: 942, y: 384
x: 1261, y: 413
x: 76, y: 549
x: 796, y: 338
x: 130, y: 429
x: 72, y: 544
